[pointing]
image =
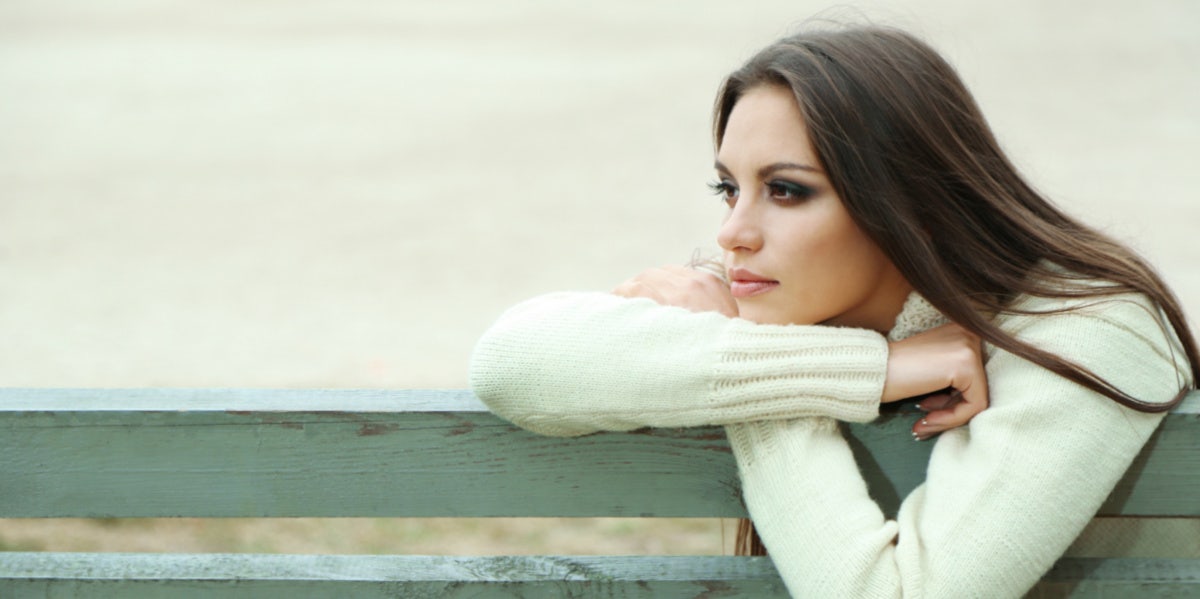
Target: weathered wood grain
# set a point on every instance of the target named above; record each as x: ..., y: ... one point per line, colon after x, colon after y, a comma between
x: 282, y: 453
x: 242, y: 575
x: 248, y: 452
x: 148, y: 575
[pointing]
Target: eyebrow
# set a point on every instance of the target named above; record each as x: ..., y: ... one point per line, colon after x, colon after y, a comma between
x: 774, y: 167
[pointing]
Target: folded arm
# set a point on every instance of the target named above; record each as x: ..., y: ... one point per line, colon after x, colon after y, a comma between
x: 1003, y: 498
x: 574, y: 363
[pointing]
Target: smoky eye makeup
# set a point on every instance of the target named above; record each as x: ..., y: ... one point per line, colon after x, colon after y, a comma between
x: 789, y: 191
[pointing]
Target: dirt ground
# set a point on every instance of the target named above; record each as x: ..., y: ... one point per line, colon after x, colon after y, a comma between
x: 324, y: 194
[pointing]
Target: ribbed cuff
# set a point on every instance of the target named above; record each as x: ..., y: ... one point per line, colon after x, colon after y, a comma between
x: 826, y: 371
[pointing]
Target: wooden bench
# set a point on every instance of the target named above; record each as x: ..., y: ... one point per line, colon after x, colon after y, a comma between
x: 283, y: 453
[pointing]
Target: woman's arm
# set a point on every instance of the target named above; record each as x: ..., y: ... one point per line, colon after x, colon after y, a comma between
x: 574, y: 363
x: 1003, y: 498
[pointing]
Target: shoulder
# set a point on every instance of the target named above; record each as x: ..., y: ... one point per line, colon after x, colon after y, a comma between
x: 1123, y: 338
x: 1125, y: 318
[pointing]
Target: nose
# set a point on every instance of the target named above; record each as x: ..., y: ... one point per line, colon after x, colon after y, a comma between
x: 741, y: 230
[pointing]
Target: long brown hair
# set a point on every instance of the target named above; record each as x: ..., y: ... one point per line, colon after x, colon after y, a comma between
x: 908, y: 151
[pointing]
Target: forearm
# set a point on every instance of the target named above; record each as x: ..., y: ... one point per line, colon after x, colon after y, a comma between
x: 575, y: 363
x: 989, y: 521
x: 801, y: 486
x: 1003, y: 498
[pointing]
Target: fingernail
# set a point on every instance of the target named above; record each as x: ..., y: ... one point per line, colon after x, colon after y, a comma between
x: 916, y: 437
x: 924, y: 422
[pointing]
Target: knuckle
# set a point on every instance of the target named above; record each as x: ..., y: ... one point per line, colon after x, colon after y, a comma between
x: 966, y: 355
x: 696, y: 283
x: 633, y: 288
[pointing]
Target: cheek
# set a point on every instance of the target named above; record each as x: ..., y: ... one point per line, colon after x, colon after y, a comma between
x: 861, y: 257
x: 838, y: 264
x: 829, y: 247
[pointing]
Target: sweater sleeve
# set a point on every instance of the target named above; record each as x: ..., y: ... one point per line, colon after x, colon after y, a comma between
x: 574, y: 363
x: 1003, y: 498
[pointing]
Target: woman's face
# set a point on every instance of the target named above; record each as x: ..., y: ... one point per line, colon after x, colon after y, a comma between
x: 792, y: 252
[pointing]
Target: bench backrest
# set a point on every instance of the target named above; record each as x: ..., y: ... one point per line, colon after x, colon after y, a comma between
x: 435, y: 453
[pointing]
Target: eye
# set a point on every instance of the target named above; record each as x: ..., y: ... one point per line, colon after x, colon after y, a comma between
x: 788, y: 192
x: 725, y: 189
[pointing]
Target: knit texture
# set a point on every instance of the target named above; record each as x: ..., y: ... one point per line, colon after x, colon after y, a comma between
x: 574, y: 363
x: 917, y: 316
x: 1003, y: 498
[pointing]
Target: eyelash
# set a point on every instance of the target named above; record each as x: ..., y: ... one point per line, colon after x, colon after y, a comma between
x: 728, y: 191
x: 724, y: 189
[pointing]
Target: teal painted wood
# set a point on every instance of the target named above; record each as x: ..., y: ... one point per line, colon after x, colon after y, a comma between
x: 310, y: 456
x: 38, y: 399
x: 240, y: 575
x: 264, y: 453
x: 1124, y: 578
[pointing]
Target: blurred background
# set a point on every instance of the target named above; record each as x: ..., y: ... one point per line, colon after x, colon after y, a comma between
x: 333, y: 194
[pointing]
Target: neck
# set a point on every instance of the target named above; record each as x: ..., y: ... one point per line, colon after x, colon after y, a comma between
x: 879, y: 312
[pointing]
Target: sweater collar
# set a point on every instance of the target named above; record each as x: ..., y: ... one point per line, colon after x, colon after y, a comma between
x: 917, y: 316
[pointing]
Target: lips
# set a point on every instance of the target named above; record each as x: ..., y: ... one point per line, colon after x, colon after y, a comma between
x: 743, y: 283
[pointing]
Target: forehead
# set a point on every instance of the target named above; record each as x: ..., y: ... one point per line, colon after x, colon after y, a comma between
x: 765, y: 125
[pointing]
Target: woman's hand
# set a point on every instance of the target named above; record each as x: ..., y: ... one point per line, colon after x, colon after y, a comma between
x: 944, y: 364
x: 680, y: 286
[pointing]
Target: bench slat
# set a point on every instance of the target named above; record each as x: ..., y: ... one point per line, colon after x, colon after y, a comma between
x: 238, y: 575
x: 271, y: 453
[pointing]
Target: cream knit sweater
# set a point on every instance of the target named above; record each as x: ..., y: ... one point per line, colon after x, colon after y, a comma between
x: 1003, y: 498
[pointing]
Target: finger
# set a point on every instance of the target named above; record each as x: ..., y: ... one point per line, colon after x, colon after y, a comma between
x: 699, y: 291
x: 655, y: 279
x: 677, y: 284
x: 970, y: 394
x: 638, y: 288
x: 956, y: 415
x: 971, y: 405
x: 935, y: 423
x: 712, y: 268
x: 683, y: 277
x: 937, y: 401
x: 974, y: 396
x: 922, y: 431
x: 686, y: 279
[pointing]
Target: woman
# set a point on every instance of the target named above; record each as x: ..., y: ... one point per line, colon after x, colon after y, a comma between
x: 878, y: 246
